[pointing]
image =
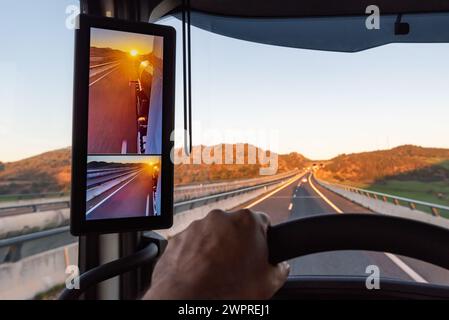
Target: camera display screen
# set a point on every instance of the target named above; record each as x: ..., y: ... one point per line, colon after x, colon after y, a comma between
x: 124, y: 138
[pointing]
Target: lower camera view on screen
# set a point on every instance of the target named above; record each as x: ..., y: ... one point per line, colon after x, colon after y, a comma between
x: 123, y: 186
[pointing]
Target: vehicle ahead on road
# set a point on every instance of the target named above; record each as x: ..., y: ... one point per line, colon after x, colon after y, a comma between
x: 304, y: 180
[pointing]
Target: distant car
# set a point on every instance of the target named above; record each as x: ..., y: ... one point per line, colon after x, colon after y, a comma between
x: 304, y: 180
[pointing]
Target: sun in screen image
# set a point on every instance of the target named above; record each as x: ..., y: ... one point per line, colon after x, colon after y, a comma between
x: 122, y: 186
x: 125, y: 93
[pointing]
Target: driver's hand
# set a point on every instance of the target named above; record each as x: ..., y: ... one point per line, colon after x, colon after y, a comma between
x: 223, y: 256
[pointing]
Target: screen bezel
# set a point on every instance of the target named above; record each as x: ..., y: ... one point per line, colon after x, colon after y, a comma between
x: 79, y: 225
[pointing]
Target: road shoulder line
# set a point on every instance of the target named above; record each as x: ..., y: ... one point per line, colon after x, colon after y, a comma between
x: 333, y: 206
x: 395, y: 259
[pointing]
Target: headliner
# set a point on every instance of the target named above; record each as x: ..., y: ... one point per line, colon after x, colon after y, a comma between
x: 297, y: 8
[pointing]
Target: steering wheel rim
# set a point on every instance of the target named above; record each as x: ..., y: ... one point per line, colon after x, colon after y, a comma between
x: 358, y: 231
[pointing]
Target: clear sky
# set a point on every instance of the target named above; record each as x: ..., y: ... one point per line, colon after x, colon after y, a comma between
x: 119, y: 40
x: 320, y: 104
x: 36, y: 63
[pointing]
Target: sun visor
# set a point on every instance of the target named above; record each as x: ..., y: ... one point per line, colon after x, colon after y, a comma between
x: 343, y: 34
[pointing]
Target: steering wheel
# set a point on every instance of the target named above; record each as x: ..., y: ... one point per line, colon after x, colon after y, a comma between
x: 296, y: 238
x: 371, y: 232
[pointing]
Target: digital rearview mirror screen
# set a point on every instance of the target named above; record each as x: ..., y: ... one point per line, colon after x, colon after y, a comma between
x: 124, y: 125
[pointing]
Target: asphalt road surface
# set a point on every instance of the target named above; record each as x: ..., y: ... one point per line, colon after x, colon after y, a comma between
x: 111, y: 176
x: 132, y: 198
x: 112, y: 110
x: 299, y: 199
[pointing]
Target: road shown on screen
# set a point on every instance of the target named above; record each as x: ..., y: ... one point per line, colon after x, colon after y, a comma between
x: 120, y: 193
x: 112, y: 108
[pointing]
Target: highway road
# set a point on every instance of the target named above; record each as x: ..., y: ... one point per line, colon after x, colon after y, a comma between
x: 299, y: 199
x: 112, y: 110
x: 131, y: 198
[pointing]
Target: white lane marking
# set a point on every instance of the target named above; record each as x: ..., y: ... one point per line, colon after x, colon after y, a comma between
x: 290, y: 206
x: 401, y: 264
x: 272, y: 192
x: 147, y: 209
x: 308, y: 197
x: 104, y: 64
x: 104, y: 76
x: 107, y: 198
x: 102, y: 69
x: 124, y: 146
x: 323, y: 197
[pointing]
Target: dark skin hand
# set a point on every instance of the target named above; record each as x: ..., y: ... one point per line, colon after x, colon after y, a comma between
x: 223, y: 256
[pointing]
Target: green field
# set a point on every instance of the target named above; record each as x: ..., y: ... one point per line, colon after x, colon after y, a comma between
x: 417, y: 190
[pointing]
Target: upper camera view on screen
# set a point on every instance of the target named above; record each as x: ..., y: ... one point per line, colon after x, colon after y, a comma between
x: 125, y: 93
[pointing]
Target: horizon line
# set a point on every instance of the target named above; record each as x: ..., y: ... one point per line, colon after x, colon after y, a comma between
x: 240, y: 143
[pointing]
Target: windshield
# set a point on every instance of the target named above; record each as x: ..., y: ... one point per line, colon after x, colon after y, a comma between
x: 36, y: 63
x: 359, y: 132
x: 290, y: 130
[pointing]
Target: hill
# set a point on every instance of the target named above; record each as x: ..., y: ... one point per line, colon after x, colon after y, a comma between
x: 50, y: 171
x: 106, y: 54
x: 47, y: 172
x: 200, y: 173
x: 406, y: 162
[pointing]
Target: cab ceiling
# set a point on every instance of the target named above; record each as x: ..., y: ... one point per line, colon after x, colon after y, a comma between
x: 297, y: 8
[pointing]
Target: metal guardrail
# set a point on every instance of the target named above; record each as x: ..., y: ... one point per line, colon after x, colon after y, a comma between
x: 11, y: 248
x: 182, y: 193
x: 189, y: 192
x: 411, y: 203
x: 36, y: 207
x: 14, y: 245
x: 193, y: 203
x: 32, y: 236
